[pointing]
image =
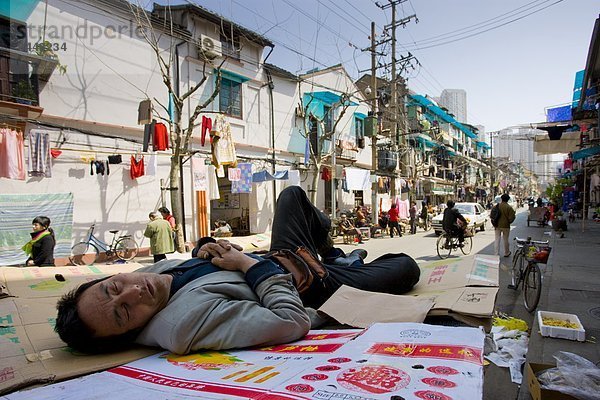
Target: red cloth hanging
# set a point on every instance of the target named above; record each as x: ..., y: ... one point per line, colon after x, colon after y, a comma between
x: 161, y: 137
x: 137, y: 168
x: 326, y: 174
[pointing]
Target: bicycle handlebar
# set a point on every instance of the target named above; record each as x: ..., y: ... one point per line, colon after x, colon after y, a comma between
x: 529, y: 241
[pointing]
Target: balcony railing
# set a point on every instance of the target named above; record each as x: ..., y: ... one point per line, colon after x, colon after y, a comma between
x: 21, y: 74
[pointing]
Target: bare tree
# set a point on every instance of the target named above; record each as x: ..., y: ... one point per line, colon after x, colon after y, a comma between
x: 318, y: 132
x: 180, y: 130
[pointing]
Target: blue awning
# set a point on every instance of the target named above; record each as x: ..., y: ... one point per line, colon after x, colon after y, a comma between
x: 425, y: 102
x: 483, y: 145
x: 360, y: 115
x: 426, y: 141
x: 584, y: 153
x: 234, y: 77
x: 316, y: 101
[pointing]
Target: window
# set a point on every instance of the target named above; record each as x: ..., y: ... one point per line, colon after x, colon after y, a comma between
x: 230, y: 47
x: 359, y: 129
x: 314, y: 135
x: 328, y: 119
x: 230, y: 97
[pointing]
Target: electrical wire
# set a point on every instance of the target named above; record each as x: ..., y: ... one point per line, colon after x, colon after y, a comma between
x: 417, y: 47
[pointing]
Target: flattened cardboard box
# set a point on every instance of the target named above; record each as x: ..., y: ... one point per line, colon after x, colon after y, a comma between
x: 30, y: 351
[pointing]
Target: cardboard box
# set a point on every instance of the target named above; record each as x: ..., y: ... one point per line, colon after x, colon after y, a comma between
x: 535, y: 390
x: 559, y: 331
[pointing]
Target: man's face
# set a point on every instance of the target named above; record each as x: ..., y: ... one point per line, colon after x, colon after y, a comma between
x: 123, y: 302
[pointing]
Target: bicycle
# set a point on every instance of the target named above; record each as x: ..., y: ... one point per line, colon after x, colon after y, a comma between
x: 528, y: 254
x: 424, y: 223
x: 87, y: 252
x: 447, y: 242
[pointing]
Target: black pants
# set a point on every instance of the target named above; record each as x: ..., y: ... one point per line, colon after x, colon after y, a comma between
x: 298, y: 223
x: 394, y: 227
x: 158, y: 257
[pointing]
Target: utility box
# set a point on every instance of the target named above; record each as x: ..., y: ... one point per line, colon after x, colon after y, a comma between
x: 370, y: 127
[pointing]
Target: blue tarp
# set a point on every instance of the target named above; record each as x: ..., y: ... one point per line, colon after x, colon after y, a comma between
x: 360, y: 115
x: 263, y: 176
x: 425, y: 102
x: 587, y: 152
x: 559, y: 114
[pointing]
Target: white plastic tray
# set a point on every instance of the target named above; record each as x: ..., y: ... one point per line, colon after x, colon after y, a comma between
x: 560, y: 332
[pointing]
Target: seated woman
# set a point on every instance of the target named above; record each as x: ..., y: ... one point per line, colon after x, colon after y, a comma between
x: 223, y: 229
x: 346, y: 227
x: 40, y: 248
x: 361, y: 219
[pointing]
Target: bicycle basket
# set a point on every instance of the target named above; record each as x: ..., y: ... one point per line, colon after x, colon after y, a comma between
x: 538, y: 253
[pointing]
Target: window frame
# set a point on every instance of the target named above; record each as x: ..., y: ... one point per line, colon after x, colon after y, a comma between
x: 231, y: 47
x: 229, y: 90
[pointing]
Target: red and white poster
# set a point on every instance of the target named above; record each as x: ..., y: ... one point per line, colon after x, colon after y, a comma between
x: 408, y: 360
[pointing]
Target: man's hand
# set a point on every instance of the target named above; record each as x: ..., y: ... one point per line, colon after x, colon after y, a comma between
x: 227, y: 256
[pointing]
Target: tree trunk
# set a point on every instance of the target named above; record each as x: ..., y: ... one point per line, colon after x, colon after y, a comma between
x: 176, y: 201
x: 314, y: 185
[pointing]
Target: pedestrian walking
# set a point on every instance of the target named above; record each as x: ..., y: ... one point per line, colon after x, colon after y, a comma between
x: 161, y: 236
x: 393, y: 216
x: 412, y: 212
x: 507, y: 216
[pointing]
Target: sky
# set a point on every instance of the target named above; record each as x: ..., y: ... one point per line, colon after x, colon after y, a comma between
x: 521, y: 56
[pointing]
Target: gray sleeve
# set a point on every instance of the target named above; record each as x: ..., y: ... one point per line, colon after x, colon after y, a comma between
x: 216, y: 318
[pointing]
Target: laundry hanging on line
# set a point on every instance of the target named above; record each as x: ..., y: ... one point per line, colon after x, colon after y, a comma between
x: 12, y: 150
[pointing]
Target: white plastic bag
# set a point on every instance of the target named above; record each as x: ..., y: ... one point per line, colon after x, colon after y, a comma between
x: 573, y: 375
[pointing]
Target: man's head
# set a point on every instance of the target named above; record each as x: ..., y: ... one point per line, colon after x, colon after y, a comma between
x: 108, y: 313
x: 505, y: 198
x: 164, y: 211
x: 450, y: 203
x: 153, y: 215
x: 343, y: 216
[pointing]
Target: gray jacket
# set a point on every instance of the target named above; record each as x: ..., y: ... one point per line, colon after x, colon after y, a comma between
x: 220, y: 311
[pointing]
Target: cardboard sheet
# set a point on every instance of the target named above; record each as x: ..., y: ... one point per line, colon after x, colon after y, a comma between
x: 361, y: 309
x: 412, y: 361
x: 30, y: 351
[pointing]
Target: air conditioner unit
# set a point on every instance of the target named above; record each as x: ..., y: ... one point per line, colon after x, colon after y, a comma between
x: 209, y: 48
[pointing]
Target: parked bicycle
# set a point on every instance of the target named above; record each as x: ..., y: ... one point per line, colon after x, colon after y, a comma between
x: 424, y: 223
x: 527, y: 255
x: 447, y: 242
x: 87, y: 252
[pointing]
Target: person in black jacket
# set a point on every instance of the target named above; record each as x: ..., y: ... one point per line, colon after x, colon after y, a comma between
x: 450, y: 222
x: 40, y: 248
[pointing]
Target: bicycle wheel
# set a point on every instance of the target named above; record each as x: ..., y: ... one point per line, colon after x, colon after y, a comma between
x: 444, y: 249
x: 126, y: 248
x: 532, y: 286
x: 427, y: 225
x: 84, y: 253
x: 515, y: 272
x: 467, y: 246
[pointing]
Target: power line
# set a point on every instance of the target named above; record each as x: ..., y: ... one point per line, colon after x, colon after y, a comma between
x: 417, y: 47
x: 467, y: 28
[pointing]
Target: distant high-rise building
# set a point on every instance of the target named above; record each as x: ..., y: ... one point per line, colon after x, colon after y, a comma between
x: 455, y: 100
x: 516, y: 145
x: 481, y: 135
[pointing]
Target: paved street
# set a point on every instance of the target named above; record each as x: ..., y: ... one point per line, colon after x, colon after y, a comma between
x: 575, y: 252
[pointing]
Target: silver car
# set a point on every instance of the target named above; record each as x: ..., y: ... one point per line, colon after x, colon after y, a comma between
x: 476, y: 216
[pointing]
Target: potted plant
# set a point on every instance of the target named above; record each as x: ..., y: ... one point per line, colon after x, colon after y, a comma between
x: 23, y: 93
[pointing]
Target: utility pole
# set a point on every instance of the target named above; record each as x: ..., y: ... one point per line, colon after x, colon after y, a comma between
x: 394, y: 92
x: 374, y: 205
x: 395, y: 136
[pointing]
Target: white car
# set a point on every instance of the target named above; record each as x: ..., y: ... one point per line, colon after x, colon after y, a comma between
x: 474, y: 213
x: 511, y: 202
